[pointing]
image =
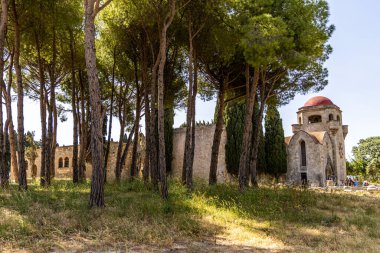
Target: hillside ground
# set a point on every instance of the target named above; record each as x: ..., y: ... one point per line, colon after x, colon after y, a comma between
x: 212, y: 219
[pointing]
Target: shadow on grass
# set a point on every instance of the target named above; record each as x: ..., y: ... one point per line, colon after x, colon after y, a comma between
x: 57, y: 218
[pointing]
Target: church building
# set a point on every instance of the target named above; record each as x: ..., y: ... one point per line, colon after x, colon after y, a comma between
x: 316, y: 151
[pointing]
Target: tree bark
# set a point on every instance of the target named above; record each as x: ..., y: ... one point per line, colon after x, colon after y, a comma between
x: 42, y: 113
x: 134, y: 167
x: 11, y: 130
x: 189, y: 174
x: 153, y: 127
x: 148, y: 143
x: 83, y: 137
x: 4, y: 178
x: 122, y: 119
x: 111, y: 117
x: 97, y: 180
x: 189, y: 121
x: 218, y: 132
x: 20, y: 103
x: 74, y: 108
x: 251, y: 89
x: 160, y: 99
x: 255, y: 145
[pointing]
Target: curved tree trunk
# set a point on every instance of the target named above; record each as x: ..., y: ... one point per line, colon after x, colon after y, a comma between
x: 217, y: 133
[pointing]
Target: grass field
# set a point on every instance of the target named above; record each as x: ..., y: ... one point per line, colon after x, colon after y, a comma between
x: 213, y: 219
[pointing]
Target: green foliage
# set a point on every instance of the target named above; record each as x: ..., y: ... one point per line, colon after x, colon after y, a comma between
x: 30, y: 147
x: 234, y: 117
x: 234, y: 120
x: 274, y: 143
x: 366, y: 158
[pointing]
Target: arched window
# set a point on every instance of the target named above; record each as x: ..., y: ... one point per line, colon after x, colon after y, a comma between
x: 299, y: 121
x: 331, y: 117
x: 303, y: 153
x: 60, y: 162
x: 315, y: 119
x: 338, y: 118
x: 67, y: 162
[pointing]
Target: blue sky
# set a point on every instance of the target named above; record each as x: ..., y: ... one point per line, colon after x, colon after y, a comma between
x: 353, y: 78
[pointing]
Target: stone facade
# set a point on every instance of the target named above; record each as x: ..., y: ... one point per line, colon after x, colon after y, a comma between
x: 204, y: 136
x: 316, y: 151
x: 63, y: 163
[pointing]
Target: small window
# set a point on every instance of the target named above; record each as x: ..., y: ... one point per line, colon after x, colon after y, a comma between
x: 299, y: 121
x: 338, y: 118
x: 303, y: 153
x: 67, y: 162
x: 331, y: 117
x: 315, y: 119
x: 60, y: 162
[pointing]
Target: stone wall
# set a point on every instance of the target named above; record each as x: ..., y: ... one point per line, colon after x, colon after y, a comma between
x: 202, y: 156
x: 67, y: 171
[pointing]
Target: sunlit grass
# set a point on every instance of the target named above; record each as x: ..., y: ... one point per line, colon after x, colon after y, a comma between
x: 267, y: 218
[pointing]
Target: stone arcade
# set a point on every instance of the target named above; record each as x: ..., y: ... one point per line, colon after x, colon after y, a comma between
x: 316, y: 151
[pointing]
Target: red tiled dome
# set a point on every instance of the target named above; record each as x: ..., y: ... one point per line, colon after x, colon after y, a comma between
x: 318, y: 100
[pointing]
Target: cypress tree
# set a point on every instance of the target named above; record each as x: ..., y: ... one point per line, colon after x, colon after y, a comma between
x: 275, y: 148
x: 234, y: 121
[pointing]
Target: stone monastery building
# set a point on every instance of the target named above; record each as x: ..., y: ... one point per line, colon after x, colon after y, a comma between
x: 316, y: 151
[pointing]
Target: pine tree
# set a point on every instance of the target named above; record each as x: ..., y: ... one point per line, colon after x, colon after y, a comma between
x: 275, y: 148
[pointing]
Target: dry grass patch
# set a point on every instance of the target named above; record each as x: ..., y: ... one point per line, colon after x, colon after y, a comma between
x: 213, y: 219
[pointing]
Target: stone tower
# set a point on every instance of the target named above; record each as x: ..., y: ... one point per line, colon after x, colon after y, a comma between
x: 317, y: 146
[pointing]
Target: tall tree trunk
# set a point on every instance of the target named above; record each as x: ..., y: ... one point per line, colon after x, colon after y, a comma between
x: 11, y: 130
x: 134, y: 167
x: 3, y: 29
x: 255, y: 144
x: 20, y: 104
x: 118, y: 168
x: 83, y: 137
x: 153, y: 127
x: 74, y: 108
x: 42, y: 113
x: 189, y: 174
x: 97, y: 180
x: 188, y: 144
x: 126, y: 148
x: 218, y: 132
x: 54, y: 137
x: 111, y: 117
x: 251, y: 89
x: 49, y: 138
x: 148, y: 142
x: 160, y: 100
